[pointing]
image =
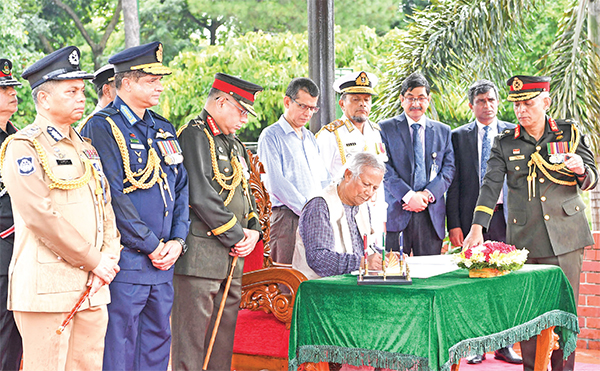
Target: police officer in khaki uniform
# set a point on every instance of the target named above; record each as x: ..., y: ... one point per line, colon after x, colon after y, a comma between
x: 10, y: 340
x: 547, y: 164
x: 354, y: 133
x: 224, y: 224
x: 65, y: 233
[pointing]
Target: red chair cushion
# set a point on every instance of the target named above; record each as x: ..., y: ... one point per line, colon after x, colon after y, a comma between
x: 260, y: 333
x: 254, y: 261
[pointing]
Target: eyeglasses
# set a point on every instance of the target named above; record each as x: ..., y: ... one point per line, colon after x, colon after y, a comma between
x: 304, y: 107
x: 420, y: 100
x: 243, y: 112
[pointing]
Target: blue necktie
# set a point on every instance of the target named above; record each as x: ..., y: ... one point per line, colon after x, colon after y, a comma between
x: 420, y: 180
x: 485, y: 153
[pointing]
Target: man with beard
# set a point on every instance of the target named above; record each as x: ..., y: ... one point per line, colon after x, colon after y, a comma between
x: 354, y: 133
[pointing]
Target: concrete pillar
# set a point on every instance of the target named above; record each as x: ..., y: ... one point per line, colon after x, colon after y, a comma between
x: 321, y: 58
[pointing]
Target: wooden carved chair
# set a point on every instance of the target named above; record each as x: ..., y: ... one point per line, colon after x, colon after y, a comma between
x: 263, y: 326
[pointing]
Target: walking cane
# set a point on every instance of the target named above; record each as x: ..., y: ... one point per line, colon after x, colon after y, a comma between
x: 219, y: 314
x: 67, y: 320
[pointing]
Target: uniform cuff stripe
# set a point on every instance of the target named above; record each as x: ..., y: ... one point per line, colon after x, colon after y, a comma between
x: 225, y: 227
x: 485, y: 209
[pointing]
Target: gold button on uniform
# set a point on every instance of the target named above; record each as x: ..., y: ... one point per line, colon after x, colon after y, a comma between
x: 576, y: 208
x: 546, y: 217
x: 543, y: 198
x: 208, y: 234
x: 538, y: 148
x: 140, y: 160
x: 517, y: 168
x: 167, y: 213
x: 542, y: 180
x: 515, y: 221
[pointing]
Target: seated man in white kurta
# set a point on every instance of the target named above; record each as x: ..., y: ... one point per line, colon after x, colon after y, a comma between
x: 333, y: 224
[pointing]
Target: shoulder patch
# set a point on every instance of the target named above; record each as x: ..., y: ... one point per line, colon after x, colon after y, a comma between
x: 25, y: 165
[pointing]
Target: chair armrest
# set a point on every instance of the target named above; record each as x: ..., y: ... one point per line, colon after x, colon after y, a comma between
x: 261, y: 291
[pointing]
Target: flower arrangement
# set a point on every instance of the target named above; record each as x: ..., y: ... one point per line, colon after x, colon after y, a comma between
x: 493, y: 258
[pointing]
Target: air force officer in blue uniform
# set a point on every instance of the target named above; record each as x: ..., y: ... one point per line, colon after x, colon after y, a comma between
x: 419, y: 171
x: 143, y: 164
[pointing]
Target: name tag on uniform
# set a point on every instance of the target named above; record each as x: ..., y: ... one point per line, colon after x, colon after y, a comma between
x: 64, y: 162
x: 350, y: 144
x: 516, y: 158
x: 223, y: 158
x: 136, y: 146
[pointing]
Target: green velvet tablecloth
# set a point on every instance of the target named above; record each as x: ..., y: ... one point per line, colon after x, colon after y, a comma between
x: 430, y: 324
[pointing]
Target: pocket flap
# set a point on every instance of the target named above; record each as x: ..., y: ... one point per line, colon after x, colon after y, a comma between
x: 573, y: 206
x: 517, y: 217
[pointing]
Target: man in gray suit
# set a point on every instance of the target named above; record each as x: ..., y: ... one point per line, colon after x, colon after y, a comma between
x: 224, y: 224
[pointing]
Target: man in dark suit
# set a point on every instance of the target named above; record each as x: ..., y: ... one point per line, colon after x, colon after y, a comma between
x: 420, y: 168
x: 472, y: 146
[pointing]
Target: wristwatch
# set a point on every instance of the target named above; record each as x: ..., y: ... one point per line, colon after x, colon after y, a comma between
x: 184, y: 246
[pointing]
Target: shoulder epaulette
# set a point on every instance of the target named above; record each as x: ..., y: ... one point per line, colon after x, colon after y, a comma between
x: 375, y: 126
x: 506, y: 132
x: 81, y: 125
x: 332, y: 126
x: 567, y: 122
x: 182, y: 128
x: 29, y: 132
x: 158, y: 116
x: 107, y: 112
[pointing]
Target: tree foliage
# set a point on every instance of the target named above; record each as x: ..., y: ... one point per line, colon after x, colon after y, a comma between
x: 574, y: 65
x: 269, y: 60
x: 454, y: 43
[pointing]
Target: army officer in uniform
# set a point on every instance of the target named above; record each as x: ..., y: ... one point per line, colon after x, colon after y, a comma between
x: 224, y: 224
x: 65, y: 234
x: 547, y: 164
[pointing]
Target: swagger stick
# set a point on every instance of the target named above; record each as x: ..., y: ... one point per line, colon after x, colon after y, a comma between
x: 219, y: 314
x: 67, y: 320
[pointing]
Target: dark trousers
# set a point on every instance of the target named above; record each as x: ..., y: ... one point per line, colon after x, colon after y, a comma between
x: 138, y: 336
x: 571, y: 264
x: 284, y: 223
x: 419, y: 236
x: 497, y: 229
x: 195, y: 309
x: 11, y: 346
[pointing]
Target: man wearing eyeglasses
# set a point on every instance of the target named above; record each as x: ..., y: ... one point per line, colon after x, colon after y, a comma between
x: 354, y: 133
x: 294, y: 169
x: 224, y: 224
x: 420, y: 169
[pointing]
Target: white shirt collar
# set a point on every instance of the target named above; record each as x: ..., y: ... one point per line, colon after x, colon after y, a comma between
x: 421, y: 121
x: 493, y: 126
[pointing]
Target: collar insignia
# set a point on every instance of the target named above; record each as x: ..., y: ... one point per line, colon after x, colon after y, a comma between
x: 54, y: 133
x: 213, y: 125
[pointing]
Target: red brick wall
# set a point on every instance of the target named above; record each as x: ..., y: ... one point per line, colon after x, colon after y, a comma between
x: 589, y: 298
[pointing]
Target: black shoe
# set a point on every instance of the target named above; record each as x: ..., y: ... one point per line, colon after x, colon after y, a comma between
x: 473, y: 360
x: 508, y: 355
